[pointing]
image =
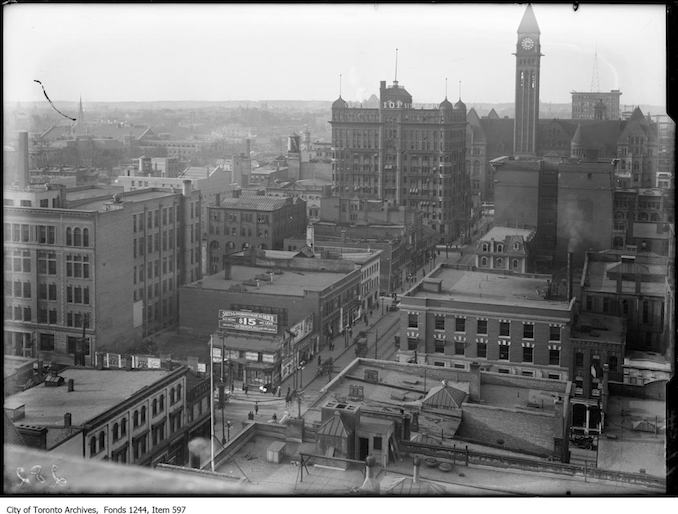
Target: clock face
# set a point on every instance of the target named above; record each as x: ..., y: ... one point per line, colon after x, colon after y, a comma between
x: 527, y: 44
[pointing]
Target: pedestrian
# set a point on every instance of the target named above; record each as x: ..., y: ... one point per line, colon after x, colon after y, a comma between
x: 245, y: 388
x: 277, y: 391
x: 287, y: 399
x: 256, y: 408
x: 275, y: 418
x: 288, y: 392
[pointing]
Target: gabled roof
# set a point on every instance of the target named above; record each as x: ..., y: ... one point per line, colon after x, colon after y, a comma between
x: 492, y: 115
x: 333, y: 427
x: 444, y: 397
x: 529, y: 22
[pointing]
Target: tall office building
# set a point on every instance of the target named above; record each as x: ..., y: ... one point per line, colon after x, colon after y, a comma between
x: 406, y: 156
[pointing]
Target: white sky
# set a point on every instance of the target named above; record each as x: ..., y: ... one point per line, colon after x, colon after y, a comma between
x: 296, y: 52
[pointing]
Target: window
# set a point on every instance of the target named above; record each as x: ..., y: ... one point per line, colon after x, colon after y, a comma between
x: 154, y: 408
x: 459, y: 348
x: 606, y: 305
x: 528, y: 354
x: 503, y: 352
x: 482, y: 326
x: 376, y: 443
x: 123, y: 427
x: 135, y: 419
x: 528, y: 331
x: 482, y: 350
x: 514, y: 263
x: 162, y: 402
x: 77, y: 237
x: 47, y: 263
x: 413, y: 320
x: 85, y: 237
x: 47, y: 342
x: 440, y: 322
x: 554, y: 357
x: 77, y: 266
x: 589, y: 303
x: 460, y: 324
x: 102, y: 441
x: 579, y: 360
x: 439, y: 346
x: 504, y: 328
x: 116, y: 432
x: 93, y: 445
x: 483, y: 261
x: 412, y: 343
x: 612, y: 363
x: 554, y: 333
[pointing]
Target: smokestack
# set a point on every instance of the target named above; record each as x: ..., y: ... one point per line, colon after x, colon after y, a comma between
x: 23, y: 176
x: 67, y: 418
x: 188, y: 187
x: 71, y: 385
x: 569, y: 276
x: 370, y: 485
x: 415, y: 473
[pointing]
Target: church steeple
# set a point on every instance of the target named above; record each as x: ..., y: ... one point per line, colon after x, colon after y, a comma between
x: 81, y: 114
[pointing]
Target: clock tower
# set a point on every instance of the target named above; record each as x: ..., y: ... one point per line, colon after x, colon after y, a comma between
x: 527, y: 55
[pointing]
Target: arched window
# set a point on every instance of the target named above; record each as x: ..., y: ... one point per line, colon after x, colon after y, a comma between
x: 93, y: 445
x: 143, y: 414
x: 162, y: 402
x: 116, y: 432
x: 135, y: 418
x: 69, y: 236
x: 500, y: 261
x: 123, y: 427
x: 77, y: 240
x: 179, y: 392
x: 516, y: 246
x: 171, y: 396
x: 485, y: 247
x: 483, y: 261
x: 102, y: 441
x: 85, y: 237
x: 500, y: 248
x: 154, y: 408
x: 515, y: 263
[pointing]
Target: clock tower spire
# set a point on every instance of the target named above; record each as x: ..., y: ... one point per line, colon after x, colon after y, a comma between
x: 528, y: 54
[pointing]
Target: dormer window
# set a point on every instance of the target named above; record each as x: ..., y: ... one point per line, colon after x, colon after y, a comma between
x: 500, y: 248
x: 516, y: 246
x: 485, y: 247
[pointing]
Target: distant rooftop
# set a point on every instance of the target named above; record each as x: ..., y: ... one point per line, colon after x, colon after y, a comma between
x: 501, y: 233
x: 95, y: 391
x: 288, y: 283
x: 598, y: 280
x: 254, y: 202
x: 483, y: 287
x: 599, y: 326
x: 140, y: 195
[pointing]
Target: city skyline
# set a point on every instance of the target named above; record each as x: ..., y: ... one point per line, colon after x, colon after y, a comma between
x: 300, y: 51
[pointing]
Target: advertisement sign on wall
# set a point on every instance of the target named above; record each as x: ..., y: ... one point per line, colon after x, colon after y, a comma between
x: 248, y: 321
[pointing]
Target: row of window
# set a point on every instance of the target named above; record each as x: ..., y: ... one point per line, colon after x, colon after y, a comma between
x: 152, y: 218
x: 25, y: 233
x: 515, y: 264
x: 153, y: 269
x: 481, y: 351
x: 18, y: 261
x: 146, y: 244
x: 77, y: 237
x: 481, y: 326
x: 499, y: 247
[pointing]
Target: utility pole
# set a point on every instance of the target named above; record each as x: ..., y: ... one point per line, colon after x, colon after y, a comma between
x: 376, y: 341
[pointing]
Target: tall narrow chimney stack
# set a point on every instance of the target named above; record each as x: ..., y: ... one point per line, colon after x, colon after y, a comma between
x: 23, y: 176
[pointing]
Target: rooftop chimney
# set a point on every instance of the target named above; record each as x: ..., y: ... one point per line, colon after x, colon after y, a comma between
x: 188, y: 186
x: 415, y: 473
x: 23, y: 176
x: 474, y: 385
x: 370, y: 485
x: 569, y: 276
x: 67, y: 418
x: 71, y: 385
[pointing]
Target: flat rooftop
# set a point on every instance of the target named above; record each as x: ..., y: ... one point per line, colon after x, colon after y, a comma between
x: 598, y: 280
x: 140, y: 195
x: 252, y: 202
x: 288, y: 283
x: 501, y: 233
x: 599, y: 326
x: 94, y: 393
x: 12, y: 363
x: 482, y: 287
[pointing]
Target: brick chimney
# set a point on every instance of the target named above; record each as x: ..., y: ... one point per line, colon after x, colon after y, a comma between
x: 474, y: 385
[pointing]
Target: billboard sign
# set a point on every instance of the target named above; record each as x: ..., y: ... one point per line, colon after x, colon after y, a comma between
x: 248, y: 321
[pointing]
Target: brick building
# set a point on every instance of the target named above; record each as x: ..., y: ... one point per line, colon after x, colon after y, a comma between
x: 405, y: 156
x: 95, y: 267
x: 596, y: 105
x: 129, y: 417
x: 252, y: 222
x: 509, y: 323
x: 505, y: 248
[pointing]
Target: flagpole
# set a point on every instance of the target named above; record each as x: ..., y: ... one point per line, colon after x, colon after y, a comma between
x: 211, y: 405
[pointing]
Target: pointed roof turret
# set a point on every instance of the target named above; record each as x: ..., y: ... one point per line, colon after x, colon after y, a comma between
x: 460, y: 105
x: 529, y: 22
x: 493, y: 114
x: 637, y: 115
x: 339, y: 103
x: 446, y: 104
